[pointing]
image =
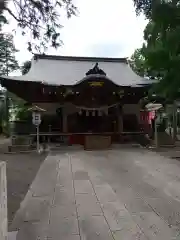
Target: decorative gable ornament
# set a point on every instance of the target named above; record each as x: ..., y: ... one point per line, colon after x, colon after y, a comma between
x: 96, y: 70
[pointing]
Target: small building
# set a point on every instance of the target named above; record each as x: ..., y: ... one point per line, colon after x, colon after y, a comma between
x: 82, y: 96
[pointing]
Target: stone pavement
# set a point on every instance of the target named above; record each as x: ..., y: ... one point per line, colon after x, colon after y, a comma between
x: 126, y: 194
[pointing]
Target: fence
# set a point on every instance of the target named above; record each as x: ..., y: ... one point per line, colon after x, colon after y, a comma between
x: 3, y: 202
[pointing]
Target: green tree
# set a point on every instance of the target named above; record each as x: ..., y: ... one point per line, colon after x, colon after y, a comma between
x: 138, y: 62
x: 40, y: 19
x: 25, y: 67
x: 8, y: 62
x: 161, y: 49
x: 20, y: 110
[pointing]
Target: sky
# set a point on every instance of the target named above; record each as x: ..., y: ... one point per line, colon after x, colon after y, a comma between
x: 103, y: 28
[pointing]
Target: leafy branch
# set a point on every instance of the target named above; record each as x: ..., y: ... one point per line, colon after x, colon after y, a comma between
x: 40, y: 19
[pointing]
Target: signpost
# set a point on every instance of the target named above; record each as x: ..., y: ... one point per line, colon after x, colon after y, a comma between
x: 36, y: 120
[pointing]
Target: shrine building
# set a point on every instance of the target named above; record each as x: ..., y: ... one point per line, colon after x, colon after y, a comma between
x: 83, y: 97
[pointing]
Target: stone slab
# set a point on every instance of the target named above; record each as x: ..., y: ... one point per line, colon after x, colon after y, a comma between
x: 63, y: 226
x: 117, y: 216
x: 63, y: 211
x: 105, y: 193
x: 83, y: 187
x: 63, y: 197
x: 153, y: 226
x: 3, y: 202
x: 46, y: 174
x: 36, y: 209
x: 132, y: 234
x: 33, y: 230
x: 94, y: 228
x: 88, y: 205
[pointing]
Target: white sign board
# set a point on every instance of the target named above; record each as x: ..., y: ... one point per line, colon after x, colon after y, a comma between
x: 36, y: 118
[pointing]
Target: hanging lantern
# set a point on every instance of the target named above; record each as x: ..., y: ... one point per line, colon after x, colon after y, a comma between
x: 93, y: 113
x: 87, y: 113
x: 80, y: 112
x: 99, y: 113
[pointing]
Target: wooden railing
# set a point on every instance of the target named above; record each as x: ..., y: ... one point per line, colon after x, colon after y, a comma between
x: 3, y: 202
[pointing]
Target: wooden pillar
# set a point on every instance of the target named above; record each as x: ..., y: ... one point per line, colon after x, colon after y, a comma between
x: 65, y: 126
x: 120, y: 119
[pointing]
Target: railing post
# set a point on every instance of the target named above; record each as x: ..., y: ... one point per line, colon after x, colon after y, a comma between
x: 3, y: 202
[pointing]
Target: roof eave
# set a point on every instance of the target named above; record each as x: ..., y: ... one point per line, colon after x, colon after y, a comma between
x: 75, y: 58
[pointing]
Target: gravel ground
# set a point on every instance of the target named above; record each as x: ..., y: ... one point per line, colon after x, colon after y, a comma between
x: 21, y: 170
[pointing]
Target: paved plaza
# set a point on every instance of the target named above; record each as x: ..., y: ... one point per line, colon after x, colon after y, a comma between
x: 120, y: 194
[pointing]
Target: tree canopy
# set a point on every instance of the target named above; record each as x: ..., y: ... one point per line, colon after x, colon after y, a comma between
x: 40, y: 19
x: 161, y: 49
x: 8, y: 62
x: 137, y: 62
x: 25, y: 67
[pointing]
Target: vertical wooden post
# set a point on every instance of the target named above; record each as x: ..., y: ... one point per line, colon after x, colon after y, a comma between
x: 174, y: 121
x: 7, y: 111
x: 37, y: 128
x: 156, y: 131
x: 119, y: 121
x: 64, y: 122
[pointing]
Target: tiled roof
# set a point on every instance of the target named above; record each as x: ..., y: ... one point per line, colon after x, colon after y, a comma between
x: 64, y: 70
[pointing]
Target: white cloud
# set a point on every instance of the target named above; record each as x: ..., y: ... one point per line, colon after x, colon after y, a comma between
x: 103, y: 28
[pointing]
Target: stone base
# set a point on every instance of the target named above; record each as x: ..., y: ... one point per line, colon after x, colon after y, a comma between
x: 97, y: 142
x: 19, y: 148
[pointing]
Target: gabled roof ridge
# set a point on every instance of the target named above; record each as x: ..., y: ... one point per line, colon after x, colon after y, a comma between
x: 83, y: 59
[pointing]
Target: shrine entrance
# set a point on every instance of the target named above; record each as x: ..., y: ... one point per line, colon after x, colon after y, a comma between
x: 91, y: 122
